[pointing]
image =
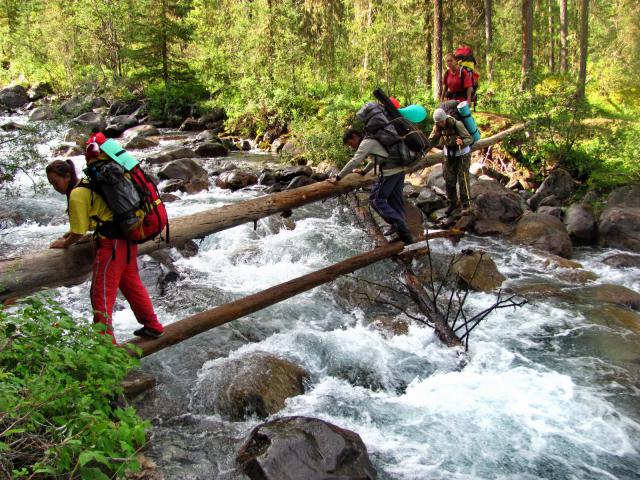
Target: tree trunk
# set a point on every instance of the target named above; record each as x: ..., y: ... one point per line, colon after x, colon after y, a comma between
x: 527, y: 44
x: 488, y: 37
x: 165, y: 44
x: 437, y: 49
x: 563, y: 36
x: 54, y: 267
x: 201, y: 322
x: 584, y: 47
x: 552, y: 37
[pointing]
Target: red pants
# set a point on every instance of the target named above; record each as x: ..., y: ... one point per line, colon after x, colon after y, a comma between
x: 115, y: 266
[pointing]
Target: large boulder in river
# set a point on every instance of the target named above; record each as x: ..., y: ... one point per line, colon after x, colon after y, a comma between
x: 119, y: 124
x: 559, y: 183
x: 235, y: 179
x: 92, y: 121
x: 171, y: 153
x: 620, y: 221
x: 495, y: 208
x: 622, y: 260
x: 290, y: 173
x: 141, y: 142
x: 478, y: 271
x: 13, y: 97
x: 294, y: 448
x: 254, y: 384
x: 616, y: 294
x: 211, y: 149
x: 544, y: 232
x: 186, y: 169
x: 581, y: 224
x: 41, y: 113
x: 141, y: 131
x: 40, y: 90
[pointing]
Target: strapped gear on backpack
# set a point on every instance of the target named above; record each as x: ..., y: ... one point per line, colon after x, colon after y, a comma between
x: 464, y: 56
x: 138, y: 213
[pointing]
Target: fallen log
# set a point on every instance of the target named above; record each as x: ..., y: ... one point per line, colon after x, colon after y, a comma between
x: 52, y: 268
x: 200, y: 322
x: 414, y: 286
x: 436, y: 157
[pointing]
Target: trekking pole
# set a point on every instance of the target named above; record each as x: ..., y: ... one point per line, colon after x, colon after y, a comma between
x: 465, y: 178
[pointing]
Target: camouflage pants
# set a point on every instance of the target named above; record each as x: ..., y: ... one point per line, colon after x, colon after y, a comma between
x: 456, y: 174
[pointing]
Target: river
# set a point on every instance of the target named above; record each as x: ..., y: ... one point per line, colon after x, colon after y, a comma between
x: 546, y: 391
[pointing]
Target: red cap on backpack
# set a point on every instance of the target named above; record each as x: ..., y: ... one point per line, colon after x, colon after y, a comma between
x: 395, y: 102
x: 93, y: 145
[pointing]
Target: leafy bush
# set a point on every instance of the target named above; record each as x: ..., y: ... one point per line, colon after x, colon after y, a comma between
x: 173, y: 102
x: 58, y: 382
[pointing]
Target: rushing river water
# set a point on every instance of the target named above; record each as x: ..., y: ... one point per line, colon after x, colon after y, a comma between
x: 549, y: 390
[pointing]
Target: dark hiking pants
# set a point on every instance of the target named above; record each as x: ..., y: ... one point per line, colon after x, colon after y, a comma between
x: 456, y: 171
x: 387, y: 199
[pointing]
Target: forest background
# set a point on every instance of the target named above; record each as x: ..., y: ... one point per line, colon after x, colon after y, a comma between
x: 573, y: 66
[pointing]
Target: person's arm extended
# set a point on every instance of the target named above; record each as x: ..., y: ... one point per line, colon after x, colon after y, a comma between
x: 469, y: 95
x: 67, y: 240
x: 434, y: 138
x: 356, y: 160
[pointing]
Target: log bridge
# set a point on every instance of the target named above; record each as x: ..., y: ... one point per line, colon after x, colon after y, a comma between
x: 21, y: 276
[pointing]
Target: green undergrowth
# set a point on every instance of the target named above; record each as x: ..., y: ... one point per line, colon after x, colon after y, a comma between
x: 59, y: 381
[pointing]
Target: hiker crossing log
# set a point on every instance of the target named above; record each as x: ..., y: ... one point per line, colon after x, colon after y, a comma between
x: 200, y: 322
x: 52, y: 268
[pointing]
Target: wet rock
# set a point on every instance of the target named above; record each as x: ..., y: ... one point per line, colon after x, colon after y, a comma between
x: 544, y: 232
x: 255, y: 384
x: 223, y: 167
x: 68, y: 151
x: 186, y: 169
x: 211, y: 149
x: 290, y: 149
x: 42, y: 113
x: 559, y: 184
x: 118, y: 124
x: 170, y: 154
x: 13, y: 97
x: 550, y: 201
x: 541, y: 289
x: 13, y: 126
x: 553, y: 211
x: 140, y: 142
x: 554, y: 261
x: 429, y: 201
x: 142, y: 131
x: 207, y: 136
x: 494, y: 207
x: 137, y: 382
x: 277, y: 144
x: 620, y: 222
x: 390, y: 326
x: 478, y: 271
x: 435, y: 179
x: 623, y: 260
x: 168, y: 197
x: 90, y: 120
x: 319, y: 176
x: 74, y: 106
x: 235, y: 180
x: 581, y: 224
x: 290, y: 173
x: 616, y: 294
x: 577, y: 276
x: 188, y: 249
x: 120, y: 107
x: 40, y: 90
x: 98, y: 102
x: 191, y: 125
x: 619, y: 315
x: 274, y: 224
x: 267, y: 177
x: 293, y: 448
x: 300, y: 181
x: 410, y: 191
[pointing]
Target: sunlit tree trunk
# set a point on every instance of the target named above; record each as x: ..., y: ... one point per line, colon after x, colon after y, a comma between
x: 584, y: 47
x: 563, y: 36
x: 488, y: 37
x: 437, y: 49
x: 527, y: 44
x: 552, y: 37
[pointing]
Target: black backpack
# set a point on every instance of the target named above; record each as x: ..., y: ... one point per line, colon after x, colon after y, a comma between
x: 415, y: 140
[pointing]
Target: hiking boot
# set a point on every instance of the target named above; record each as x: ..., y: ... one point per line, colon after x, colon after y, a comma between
x: 147, y: 332
x: 405, y: 237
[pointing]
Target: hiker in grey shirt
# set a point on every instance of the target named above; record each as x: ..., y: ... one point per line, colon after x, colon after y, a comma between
x: 387, y: 193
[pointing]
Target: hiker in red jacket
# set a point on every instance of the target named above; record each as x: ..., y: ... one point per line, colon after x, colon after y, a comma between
x: 457, y: 83
x: 114, y: 265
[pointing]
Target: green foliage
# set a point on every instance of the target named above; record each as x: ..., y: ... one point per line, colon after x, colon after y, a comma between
x: 59, y: 380
x: 173, y: 102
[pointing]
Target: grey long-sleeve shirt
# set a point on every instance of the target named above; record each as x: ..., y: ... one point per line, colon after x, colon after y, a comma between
x: 368, y: 149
